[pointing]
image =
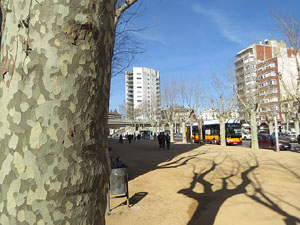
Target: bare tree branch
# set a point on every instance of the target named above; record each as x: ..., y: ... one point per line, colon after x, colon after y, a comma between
x: 122, y: 8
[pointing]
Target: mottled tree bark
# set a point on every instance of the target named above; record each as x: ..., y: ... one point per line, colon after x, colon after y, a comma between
x: 54, y: 95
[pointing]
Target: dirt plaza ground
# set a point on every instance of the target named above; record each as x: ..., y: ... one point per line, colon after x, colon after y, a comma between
x: 209, y: 184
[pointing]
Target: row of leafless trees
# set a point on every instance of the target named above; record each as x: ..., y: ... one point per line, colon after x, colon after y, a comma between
x: 221, y: 95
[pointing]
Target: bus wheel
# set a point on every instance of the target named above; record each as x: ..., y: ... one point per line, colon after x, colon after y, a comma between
x: 214, y: 141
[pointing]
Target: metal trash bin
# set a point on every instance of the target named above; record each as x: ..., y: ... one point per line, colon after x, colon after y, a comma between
x: 118, y: 184
x: 117, y: 181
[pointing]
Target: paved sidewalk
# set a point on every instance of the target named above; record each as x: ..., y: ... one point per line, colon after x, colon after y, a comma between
x: 207, y: 185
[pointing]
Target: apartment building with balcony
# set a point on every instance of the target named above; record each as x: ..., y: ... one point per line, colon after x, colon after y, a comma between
x: 257, y: 70
x: 142, y: 91
x: 268, y: 85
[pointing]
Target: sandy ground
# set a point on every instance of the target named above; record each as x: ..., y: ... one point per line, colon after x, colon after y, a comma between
x: 207, y: 185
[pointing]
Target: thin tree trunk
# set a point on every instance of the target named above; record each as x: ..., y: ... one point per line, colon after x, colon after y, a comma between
x: 171, y: 132
x: 183, y: 132
x: 297, y: 128
x: 222, y: 132
x: 163, y: 127
x: 54, y: 91
x: 254, y: 140
x: 271, y: 127
x: 200, y: 130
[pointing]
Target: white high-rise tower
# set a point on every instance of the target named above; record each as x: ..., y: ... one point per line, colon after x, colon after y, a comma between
x: 142, y: 87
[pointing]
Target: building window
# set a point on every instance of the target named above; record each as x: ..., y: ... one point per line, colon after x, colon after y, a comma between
x: 139, y: 100
x: 273, y: 82
x: 274, y: 99
x: 139, y: 78
x: 139, y: 86
x: 261, y: 93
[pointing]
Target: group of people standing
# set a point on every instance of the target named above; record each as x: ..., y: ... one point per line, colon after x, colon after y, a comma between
x: 163, y: 140
x: 130, y: 137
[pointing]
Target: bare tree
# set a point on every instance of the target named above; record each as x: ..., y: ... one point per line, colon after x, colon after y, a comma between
x: 289, y: 111
x: 223, y: 102
x: 122, y: 109
x: 251, y: 108
x: 183, y: 116
x: 289, y: 29
x: 169, y: 104
x: 197, y: 107
x: 185, y: 91
x: 151, y: 114
x: 127, y: 46
x: 169, y: 93
x: 169, y: 117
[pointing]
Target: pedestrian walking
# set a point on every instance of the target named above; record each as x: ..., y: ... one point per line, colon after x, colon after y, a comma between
x: 163, y: 141
x: 120, y: 138
x: 159, y: 139
x: 168, y: 141
x: 129, y: 136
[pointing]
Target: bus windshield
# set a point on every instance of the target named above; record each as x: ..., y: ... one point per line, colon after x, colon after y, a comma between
x: 233, y: 129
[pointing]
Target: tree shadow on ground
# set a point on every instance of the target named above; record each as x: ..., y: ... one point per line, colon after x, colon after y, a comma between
x: 265, y: 198
x: 144, y: 157
x: 211, y: 199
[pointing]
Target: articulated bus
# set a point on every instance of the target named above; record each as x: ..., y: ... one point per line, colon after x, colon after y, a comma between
x: 233, y: 131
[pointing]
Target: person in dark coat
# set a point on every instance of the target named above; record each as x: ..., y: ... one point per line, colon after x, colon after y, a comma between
x: 168, y: 141
x: 159, y: 139
x: 163, y: 140
x: 120, y: 138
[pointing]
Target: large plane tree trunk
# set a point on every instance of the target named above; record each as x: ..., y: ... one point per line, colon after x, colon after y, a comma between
x: 54, y: 95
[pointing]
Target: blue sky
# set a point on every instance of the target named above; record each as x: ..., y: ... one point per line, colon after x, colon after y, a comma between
x: 193, y: 39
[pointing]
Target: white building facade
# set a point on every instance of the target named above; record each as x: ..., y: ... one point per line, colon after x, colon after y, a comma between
x: 211, y: 114
x: 142, y: 91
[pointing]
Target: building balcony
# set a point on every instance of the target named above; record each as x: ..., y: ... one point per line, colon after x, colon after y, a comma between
x: 238, y: 60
